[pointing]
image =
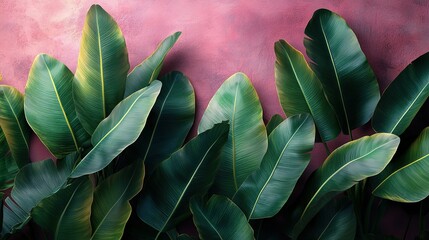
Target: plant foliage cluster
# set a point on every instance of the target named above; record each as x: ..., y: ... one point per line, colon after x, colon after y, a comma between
x: 124, y: 170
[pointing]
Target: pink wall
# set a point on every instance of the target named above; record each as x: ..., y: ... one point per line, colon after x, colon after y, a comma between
x: 219, y: 37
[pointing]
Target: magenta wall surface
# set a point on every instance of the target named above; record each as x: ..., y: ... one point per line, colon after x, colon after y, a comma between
x: 219, y: 37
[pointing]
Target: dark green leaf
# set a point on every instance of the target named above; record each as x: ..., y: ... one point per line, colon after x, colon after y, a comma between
x: 273, y: 123
x: 300, y: 91
x: 13, y: 124
x: 408, y: 180
x: 8, y: 167
x: 220, y: 218
x: 237, y: 102
x: 147, y: 71
x: 111, y: 208
x: 338, y: 61
x: 49, y: 106
x: 119, y: 130
x: 66, y: 213
x: 403, y: 98
x: 189, y: 171
x: 265, y: 191
x: 344, y: 167
x: 101, y: 70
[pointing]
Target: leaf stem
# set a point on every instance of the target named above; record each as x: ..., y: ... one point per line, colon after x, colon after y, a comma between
x: 328, y: 151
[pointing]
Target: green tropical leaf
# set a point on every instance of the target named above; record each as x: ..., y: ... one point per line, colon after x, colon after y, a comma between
x: 237, y: 102
x: 338, y: 61
x: 335, y: 221
x: 300, y: 91
x: 273, y: 123
x: 148, y: 70
x: 345, y: 167
x: 111, y: 208
x: 119, y: 130
x: 33, y: 183
x: 8, y: 167
x: 13, y: 124
x: 220, y: 218
x: 67, y: 212
x: 188, y: 171
x: 169, y: 122
x: 265, y: 191
x: 101, y: 70
x: 407, y: 180
x: 49, y: 106
x: 403, y: 98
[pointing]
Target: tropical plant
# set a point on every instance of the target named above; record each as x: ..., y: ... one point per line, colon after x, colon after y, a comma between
x: 122, y: 168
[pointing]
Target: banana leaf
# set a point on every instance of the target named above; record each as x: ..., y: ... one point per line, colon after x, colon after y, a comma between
x: 8, y: 167
x: 119, y: 130
x: 338, y: 61
x: 300, y: 91
x: 13, y: 124
x: 50, y: 109
x: 102, y: 68
x: 265, y: 191
x: 273, y: 123
x: 188, y: 171
x: 220, y: 218
x: 407, y: 180
x: 403, y: 98
x: 168, y: 124
x: 33, y: 183
x: 237, y: 102
x: 111, y: 208
x: 147, y: 71
x: 345, y: 167
x: 66, y: 213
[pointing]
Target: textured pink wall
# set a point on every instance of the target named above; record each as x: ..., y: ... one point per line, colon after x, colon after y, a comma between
x: 219, y: 37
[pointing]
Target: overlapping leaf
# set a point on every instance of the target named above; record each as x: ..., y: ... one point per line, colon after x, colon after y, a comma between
x: 220, y: 218
x: 237, y: 101
x: 119, y: 130
x: 66, y: 213
x: 403, y: 98
x: 101, y: 70
x: 8, y: 167
x: 265, y: 191
x: 273, y: 123
x: 408, y: 179
x: 13, y: 124
x: 111, y: 208
x: 300, y: 91
x: 147, y: 71
x: 49, y: 106
x: 189, y: 171
x: 338, y: 61
x: 344, y: 167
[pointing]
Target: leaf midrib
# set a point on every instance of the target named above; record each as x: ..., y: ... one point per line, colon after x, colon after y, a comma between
x: 274, y: 168
x: 17, y: 121
x: 101, y: 64
x: 334, y: 173
x: 234, y: 157
x: 211, y: 225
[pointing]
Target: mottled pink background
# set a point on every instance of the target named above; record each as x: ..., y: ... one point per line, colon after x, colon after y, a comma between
x: 219, y: 37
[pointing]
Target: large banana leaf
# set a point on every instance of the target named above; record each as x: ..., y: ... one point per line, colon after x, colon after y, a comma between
x: 273, y: 123
x: 8, y: 167
x: 13, y: 124
x: 169, y: 121
x: 119, y: 130
x: 408, y: 180
x: 148, y: 70
x: 220, y: 218
x: 49, y: 106
x: 344, y: 167
x: 338, y: 61
x: 265, y: 191
x: 300, y: 91
x: 237, y: 101
x: 111, y: 208
x: 403, y: 98
x: 101, y: 70
x: 66, y: 214
x: 335, y: 221
x: 33, y: 183
x: 189, y: 171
